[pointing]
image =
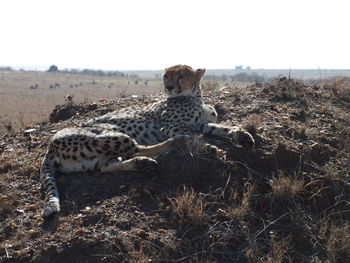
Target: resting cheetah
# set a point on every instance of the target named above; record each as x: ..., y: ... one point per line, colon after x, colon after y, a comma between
x: 134, y: 135
x: 182, y: 113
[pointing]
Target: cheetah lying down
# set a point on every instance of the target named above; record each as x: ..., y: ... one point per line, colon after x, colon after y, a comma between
x: 129, y: 139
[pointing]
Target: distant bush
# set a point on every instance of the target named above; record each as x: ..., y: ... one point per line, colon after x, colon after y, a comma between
x: 53, y: 68
x: 244, y: 77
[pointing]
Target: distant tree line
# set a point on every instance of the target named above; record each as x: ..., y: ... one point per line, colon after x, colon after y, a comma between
x: 243, y: 76
x: 92, y: 72
x: 240, y: 77
x: 6, y: 69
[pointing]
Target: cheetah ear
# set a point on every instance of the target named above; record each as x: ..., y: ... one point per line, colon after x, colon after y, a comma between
x: 200, y: 72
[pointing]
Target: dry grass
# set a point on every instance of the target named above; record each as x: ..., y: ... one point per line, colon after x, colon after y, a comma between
x: 189, y: 208
x: 286, y: 187
x: 279, y: 249
x: 340, y: 87
x: 241, y: 205
x: 338, y: 244
x: 138, y: 256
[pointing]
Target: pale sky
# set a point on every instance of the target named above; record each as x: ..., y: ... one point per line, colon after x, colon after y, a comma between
x: 154, y: 34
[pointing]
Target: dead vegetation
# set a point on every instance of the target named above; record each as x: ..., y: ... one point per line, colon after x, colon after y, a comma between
x: 285, y: 201
x: 188, y: 208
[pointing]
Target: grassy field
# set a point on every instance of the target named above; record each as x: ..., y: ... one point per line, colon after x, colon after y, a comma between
x: 29, y: 97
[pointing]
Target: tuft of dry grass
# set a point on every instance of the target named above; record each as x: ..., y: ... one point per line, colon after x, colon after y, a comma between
x: 279, y: 249
x: 242, y: 208
x: 338, y: 244
x: 189, y: 208
x: 138, y: 255
x: 286, y: 187
x: 272, y: 249
x: 340, y: 87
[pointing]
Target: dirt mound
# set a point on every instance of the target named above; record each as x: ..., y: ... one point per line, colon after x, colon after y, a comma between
x: 69, y: 110
x: 286, y: 200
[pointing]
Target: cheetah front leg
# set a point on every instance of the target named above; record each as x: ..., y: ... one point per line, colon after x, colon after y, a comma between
x: 237, y: 134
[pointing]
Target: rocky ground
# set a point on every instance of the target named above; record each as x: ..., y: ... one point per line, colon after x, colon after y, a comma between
x: 286, y: 200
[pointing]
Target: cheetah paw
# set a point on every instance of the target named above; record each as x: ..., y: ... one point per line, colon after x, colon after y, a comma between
x: 146, y: 164
x: 212, y: 149
x: 242, y: 137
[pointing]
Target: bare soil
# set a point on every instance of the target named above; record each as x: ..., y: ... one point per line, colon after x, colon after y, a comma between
x: 286, y: 200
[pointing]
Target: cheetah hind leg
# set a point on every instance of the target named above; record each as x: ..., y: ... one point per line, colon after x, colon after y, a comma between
x: 143, y: 157
x: 158, y: 149
x: 139, y: 163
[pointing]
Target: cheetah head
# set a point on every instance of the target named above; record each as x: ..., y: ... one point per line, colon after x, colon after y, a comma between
x: 182, y: 80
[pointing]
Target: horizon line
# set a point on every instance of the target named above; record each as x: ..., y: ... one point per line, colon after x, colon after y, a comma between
x: 244, y: 68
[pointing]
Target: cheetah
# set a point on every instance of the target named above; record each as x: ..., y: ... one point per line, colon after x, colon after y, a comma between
x: 130, y: 139
x: 182, y: 113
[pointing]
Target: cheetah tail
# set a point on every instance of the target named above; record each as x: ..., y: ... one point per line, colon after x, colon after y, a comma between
x: 48, y: 182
